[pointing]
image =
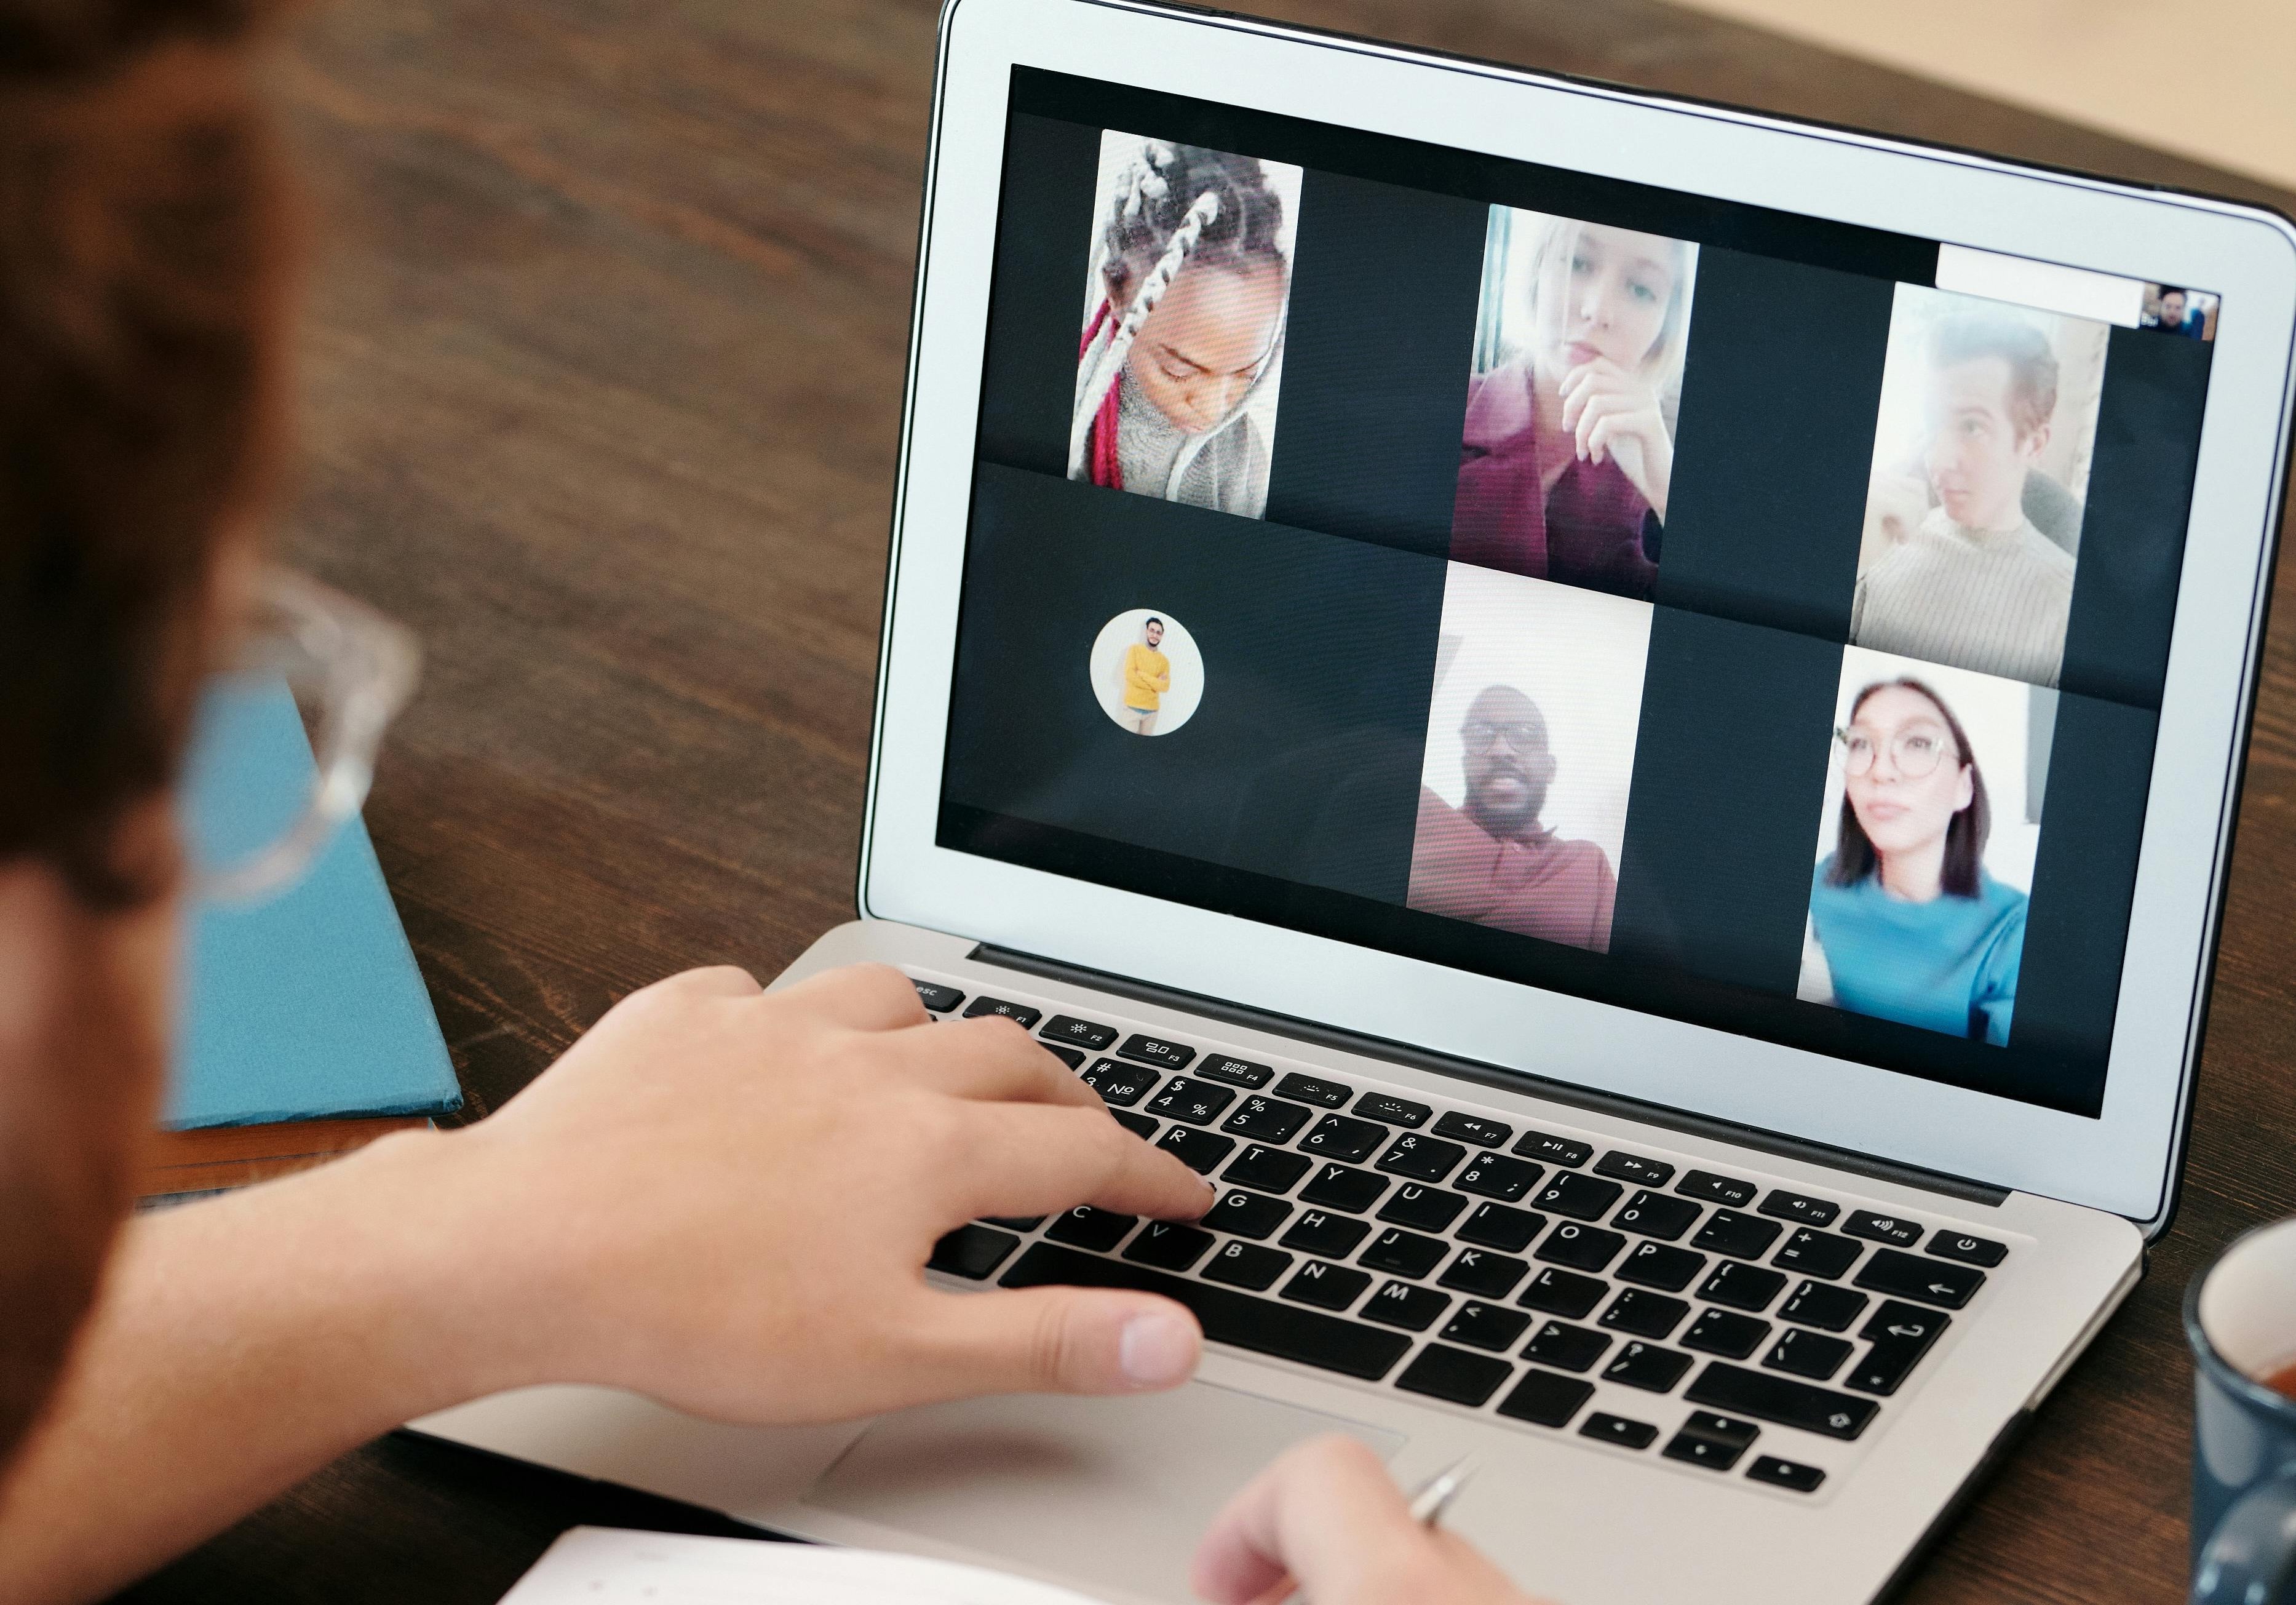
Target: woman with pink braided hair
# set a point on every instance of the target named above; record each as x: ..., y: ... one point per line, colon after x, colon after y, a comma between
x: 1192, y: 282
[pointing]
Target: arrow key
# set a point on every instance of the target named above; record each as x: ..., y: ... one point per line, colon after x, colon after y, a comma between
x: 1901, y: 1334
x: 1931, y: 1281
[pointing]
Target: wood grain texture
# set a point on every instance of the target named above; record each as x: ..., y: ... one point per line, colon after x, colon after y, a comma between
x: 602, y: 369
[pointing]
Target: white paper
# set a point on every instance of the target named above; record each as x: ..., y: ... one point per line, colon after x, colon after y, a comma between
x: 607, y: 1566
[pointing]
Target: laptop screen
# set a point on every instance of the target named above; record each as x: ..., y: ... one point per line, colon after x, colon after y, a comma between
x: 1723, y: 613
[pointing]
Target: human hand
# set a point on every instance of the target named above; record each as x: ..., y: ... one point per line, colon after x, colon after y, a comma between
x: 1613, y: 413
x: 1326, y: 1517
x: 724, y: 1198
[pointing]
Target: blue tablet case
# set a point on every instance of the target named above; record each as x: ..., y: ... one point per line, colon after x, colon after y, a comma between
x: 310, y: 1004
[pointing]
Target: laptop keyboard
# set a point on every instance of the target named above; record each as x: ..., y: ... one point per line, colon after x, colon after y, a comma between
x: 1465, y: 1258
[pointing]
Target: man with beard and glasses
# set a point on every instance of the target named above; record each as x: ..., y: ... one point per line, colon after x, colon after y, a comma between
x: 1492, y: 861
x: 691, y: 1203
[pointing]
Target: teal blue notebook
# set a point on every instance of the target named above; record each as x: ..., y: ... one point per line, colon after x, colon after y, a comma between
x: 308, y: 1006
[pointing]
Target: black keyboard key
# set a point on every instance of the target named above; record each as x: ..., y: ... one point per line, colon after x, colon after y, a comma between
x: 1326, y: 1286
x: 1168, y: 1246
x: 1199, y: 1103
x: 1320, y: 1231
x: 1248, y: 1215
x: 1235, y: 1072
x: 1543, y: 1399
x: 1616, y: 1430
x: 1716, y: 1189
x: 1725, y: 1332
x: 1139, y: 1125
x: 1348, y: 1141
x: 1581, y: 1197
x: 1713, y: 1441
x: 972, y: 1251
x: 1497, y: 1176
x: 1822, y: 1304
x: 1401, y: 1252
x: 1261, y: 1325
x: 1741, y: 1287
x: 1726, y: 1232
x: 1308, y: 1089
x: 1015, y: 1222
x: 1564, y: 1151
x: 1644, y: 1314
x: 1200, y: 1151
x: 1580, y: 1247
x: 1423, y: 1209
x: 1394, y: 1111
x: 1078, y: 1034
x: 1570, y: 1348
x: 1269, y: 1170
x: 1925, y: 1280
x: 1487, y: 1326
x: 1423, y: 1159
x: 1268, y: 1120
x: 1564, y: 1293
x: 1633, y: 1168
x: 1119, y: 1085
x: 1806, y: 1353
x: 1900, y: 1334
x: 1815, y: 1253
x: 1800, y: 1210
x: 1247, y: 1265
x: 1882, y: 1228
x: 1767, y: 1396
x: 1661, y: 1265
x: 1343, y: 1186
x: 1647, y: 1366
x: 1086, y: 1227
x: 1951, y: 1244
x: 1401, y: 1304
x: 1502, y: 1227
x: 1073, y: 1058
x: 1656, y: 1215
x: 1154, y: 1051
x: 1020, y: 1013
x: 1785, y: 1474
x: 1474, y: 1129
x: 936, y: 997
x: 1485, y: 1275
x: 1453, y: 1374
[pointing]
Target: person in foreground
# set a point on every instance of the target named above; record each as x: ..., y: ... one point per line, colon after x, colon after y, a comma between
x: 1911, y: 925
x: 683, y: 1205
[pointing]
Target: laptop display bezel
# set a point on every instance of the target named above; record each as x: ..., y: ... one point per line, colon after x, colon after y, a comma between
x: 2121, y: 1159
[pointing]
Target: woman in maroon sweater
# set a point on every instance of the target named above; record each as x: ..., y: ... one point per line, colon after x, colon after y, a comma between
x: 1567, y: 459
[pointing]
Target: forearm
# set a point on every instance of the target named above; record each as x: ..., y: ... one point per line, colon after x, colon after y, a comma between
x: 240, y: 1345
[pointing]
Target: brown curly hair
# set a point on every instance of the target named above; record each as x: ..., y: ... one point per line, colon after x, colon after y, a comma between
x: 145, y: 245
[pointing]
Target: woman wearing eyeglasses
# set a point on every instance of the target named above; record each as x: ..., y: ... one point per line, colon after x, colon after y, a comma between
x: 1911, y: 925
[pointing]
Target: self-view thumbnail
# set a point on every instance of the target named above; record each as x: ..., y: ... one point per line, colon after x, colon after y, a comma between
x: 1181, y: 353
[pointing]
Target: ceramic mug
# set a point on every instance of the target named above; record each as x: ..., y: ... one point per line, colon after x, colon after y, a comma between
x: 2240, y: 1315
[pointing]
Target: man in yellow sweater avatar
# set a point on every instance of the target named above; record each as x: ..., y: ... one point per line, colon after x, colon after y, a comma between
x: 1147, y: 676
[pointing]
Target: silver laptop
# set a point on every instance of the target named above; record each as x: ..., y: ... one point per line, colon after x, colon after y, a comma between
x: 1623, y: 717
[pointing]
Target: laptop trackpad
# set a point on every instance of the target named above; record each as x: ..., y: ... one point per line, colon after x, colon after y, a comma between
x: 1114, y: 1489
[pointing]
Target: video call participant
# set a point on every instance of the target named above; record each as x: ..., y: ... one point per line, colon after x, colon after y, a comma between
x: 1912, y: 927
x: 1566, y: 463
x: 1147, y: 676
x: 1976, y: 585
x: 2175, y: 317
x: 1491, y: 861
x: 1194, y: 285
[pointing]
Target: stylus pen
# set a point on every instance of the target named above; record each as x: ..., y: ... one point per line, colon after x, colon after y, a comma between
x: 1428, y: 1502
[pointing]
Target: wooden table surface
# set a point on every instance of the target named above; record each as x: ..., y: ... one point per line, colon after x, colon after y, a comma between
x: 603, y: 368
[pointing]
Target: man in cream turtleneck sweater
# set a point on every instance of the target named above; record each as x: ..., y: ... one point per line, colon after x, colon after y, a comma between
x: 1976, y: 586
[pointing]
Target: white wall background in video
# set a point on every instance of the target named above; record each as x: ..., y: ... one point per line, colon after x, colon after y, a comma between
x: 1579, y: 655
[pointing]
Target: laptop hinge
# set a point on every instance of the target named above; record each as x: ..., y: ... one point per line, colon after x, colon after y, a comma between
x: 1494, y: 1075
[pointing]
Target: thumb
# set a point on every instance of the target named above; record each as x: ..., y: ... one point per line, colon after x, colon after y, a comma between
x: 1075, y: 1340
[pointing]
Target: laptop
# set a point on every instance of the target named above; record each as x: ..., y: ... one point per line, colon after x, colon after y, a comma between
x: 1623, y: 717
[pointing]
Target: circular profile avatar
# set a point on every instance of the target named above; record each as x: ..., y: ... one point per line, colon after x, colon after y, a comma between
x: 1146, y: 672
